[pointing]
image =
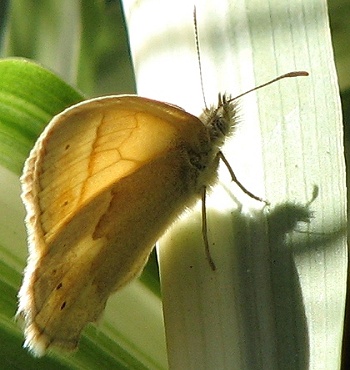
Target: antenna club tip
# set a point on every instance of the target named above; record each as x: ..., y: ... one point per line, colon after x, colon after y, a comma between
x: 297, y: 74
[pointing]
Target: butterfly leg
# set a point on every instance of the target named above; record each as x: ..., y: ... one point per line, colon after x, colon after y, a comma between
x: 205, y: 230
x: 240, y: 185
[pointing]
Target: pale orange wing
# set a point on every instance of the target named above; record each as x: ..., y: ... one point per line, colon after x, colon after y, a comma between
x: 102, y: 183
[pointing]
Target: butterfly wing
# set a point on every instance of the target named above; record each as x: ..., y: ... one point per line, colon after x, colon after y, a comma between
x: 102, y: 183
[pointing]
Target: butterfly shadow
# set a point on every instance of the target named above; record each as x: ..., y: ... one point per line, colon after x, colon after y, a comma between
x: 279, y: 312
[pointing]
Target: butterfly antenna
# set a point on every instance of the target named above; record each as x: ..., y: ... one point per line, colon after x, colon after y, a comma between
x: 286, y: 75
x: 198, y: 54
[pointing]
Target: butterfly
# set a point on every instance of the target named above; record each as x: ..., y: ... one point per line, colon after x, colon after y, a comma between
x: 103, y: 182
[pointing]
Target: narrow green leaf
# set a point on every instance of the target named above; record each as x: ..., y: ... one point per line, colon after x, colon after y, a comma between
x: 277, y: 297
x: 29, y: 97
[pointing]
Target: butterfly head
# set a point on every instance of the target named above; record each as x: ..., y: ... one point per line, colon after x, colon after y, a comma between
x: 221, y: 119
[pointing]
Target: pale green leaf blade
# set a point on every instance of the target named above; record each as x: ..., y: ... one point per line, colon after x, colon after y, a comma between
x: 277, y: 298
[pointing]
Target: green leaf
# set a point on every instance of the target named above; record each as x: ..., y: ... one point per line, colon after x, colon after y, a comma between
x: 83, y: 42
x: 277, y: 297
x: 29, y: 97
